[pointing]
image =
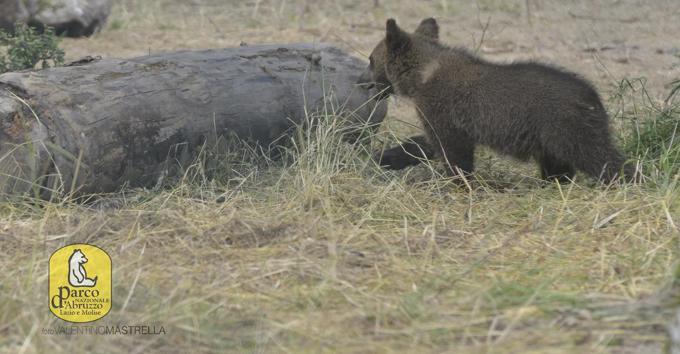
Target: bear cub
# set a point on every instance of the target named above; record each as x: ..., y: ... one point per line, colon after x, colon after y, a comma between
x: 526, y: 110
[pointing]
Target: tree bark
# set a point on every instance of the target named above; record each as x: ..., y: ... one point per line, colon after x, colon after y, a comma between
x: 95, y: 126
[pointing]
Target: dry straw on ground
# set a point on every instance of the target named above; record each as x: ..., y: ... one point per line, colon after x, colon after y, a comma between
x: 324, y: 252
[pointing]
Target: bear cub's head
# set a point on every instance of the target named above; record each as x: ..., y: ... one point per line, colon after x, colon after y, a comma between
x: 397, y: 54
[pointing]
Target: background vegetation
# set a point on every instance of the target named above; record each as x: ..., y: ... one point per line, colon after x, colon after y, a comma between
x: 25, y: 48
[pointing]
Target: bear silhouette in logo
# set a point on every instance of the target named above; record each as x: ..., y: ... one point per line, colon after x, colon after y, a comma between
x: 76, y: 271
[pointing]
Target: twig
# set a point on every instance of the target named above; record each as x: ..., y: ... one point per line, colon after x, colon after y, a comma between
x: 484, y: 29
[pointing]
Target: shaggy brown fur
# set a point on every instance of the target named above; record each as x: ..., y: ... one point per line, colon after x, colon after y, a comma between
x: 525, y: 110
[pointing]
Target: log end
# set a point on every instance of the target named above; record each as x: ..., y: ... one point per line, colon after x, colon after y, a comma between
x: 23, y: 156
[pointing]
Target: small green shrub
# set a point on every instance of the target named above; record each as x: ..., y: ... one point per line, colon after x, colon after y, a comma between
x: 26, y: 48
x: 654, y: 132
x: 658, y: 141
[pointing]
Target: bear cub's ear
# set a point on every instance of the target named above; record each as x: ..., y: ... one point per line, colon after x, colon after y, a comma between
x: 395, y: 38
x: 428, y: 28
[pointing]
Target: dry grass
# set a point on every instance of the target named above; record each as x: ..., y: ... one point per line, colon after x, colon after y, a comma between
x: 325, y: 252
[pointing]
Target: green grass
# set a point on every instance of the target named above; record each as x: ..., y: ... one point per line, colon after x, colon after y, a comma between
x: 651, y: 129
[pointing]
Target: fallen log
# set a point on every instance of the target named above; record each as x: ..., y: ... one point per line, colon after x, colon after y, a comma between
x: 13, y: 11
x: 102, y: 124
x: 73, y: 18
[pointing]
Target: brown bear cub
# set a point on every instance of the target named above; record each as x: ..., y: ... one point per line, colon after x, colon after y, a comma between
x: 525, y: 110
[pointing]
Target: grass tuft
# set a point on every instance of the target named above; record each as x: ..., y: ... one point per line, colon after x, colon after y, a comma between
x: 652, y: 130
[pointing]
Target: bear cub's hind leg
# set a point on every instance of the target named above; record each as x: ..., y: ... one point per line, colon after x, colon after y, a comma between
x: 458, y: 151
x: 552, y: 168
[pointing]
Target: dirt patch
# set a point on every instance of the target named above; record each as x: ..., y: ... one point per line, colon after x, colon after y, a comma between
x: 605, y: 41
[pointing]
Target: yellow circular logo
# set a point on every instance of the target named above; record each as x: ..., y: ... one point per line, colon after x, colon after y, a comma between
x: 80, y: 283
